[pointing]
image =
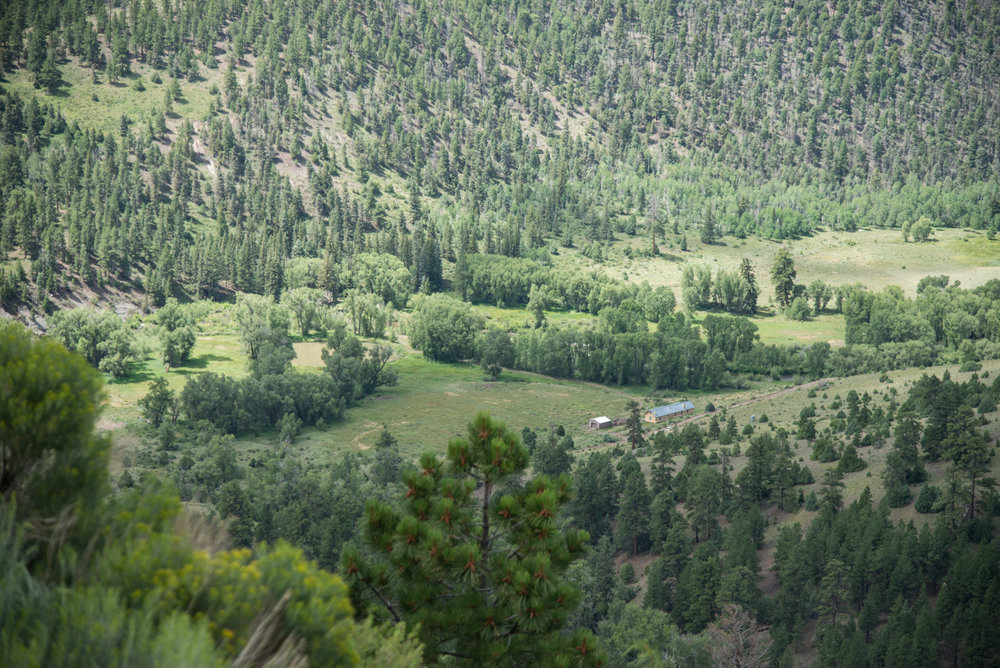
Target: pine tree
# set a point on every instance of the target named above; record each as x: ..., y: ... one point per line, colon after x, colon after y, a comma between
x: 708, y: 232
x: 783, y: 276
x: 750, y: 291
x: 481, y: 573
x: 969, y: 450
x: 633, y: 425
x: 632, y: 525
x: 385, y: 467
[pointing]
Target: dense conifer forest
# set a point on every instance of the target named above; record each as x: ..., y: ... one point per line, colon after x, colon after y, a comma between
x: 231, y: 229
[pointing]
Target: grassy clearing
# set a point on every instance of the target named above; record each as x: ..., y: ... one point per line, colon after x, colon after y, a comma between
x: 779, y: 330
x: 309, y: 353
x: 218, y: 353
x: 101, y: 105
x: 876, y: 258
x: 433, y: 402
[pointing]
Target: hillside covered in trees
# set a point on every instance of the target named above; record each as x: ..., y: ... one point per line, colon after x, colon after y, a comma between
x: 429, y: 131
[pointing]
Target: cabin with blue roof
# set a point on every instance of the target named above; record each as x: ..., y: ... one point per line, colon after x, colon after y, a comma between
x: 664, y: 413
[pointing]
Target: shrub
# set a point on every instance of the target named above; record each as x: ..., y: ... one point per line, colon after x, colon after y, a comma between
x: 927, y: 499
x: 812, y: 503
x: 898, y: 496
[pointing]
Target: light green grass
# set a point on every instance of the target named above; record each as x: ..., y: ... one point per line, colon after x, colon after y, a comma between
x: 779, y: 330
x: 309, y: 353
x: 876, y: 258
x: 433, y: 403
x: 76, y: 98
x: 219, y: 353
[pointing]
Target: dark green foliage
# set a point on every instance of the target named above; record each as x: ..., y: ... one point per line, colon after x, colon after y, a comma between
x: 850, y: 462
x: 633, y: 425
x: 251, y: 404
x: 494, y: 350
x: 812, y: 503
x: 596, y: 577
x: 385, y: 467
x: 695, y: 602
x: 704, y: 500
x: 158, y: 403
x: 969, y: 450
x: 554, y: 457
x: 783, y: 277
x: 927, y: 499
x: 484, y: 578
x: 824, y: 450
x: 594, y: 503
x: 632, y: 524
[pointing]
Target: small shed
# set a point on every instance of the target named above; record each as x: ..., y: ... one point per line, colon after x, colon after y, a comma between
x: 663, y: 413
x: 599, y: 423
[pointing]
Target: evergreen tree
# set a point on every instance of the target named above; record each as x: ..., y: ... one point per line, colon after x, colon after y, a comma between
x: 704, y: 500
x: 595, y: 500
x: 632, y: 523
x: 633, y: 425
x: 483, y: 578
x: 750, y: 290
x: 783, y: 277
x: 969, y: 450
x: 385, y: 467
x: 708, y: 232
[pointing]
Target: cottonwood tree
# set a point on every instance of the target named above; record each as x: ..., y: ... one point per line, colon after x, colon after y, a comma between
x: 495, y: 350
x: 158, y: 403
x: 100, y: 336
x: 303, y: 304
x: 476, y: 558
x: 444, y: 328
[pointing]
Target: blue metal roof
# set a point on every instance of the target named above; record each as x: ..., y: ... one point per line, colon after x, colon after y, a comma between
x: 671, y: 409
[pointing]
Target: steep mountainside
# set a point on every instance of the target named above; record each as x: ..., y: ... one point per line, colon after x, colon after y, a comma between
x: 247, y: 134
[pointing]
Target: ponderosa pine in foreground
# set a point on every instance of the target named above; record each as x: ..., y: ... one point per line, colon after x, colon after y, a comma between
x: 476, y: 556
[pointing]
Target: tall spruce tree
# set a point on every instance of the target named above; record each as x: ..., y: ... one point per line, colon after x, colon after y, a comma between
x: 750, y: 290
x: 632, y: 525
x: 783, y: 276
x: 633, y: 425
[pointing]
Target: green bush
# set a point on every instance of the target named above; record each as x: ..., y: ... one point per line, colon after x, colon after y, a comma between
x: 927, y: 499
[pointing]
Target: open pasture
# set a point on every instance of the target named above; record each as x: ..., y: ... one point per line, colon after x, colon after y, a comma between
x: 874, y: 257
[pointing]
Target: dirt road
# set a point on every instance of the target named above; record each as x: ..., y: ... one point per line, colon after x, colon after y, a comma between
x: 822, y: 382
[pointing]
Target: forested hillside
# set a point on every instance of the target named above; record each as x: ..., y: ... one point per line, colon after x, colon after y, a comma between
x: 257, y: 134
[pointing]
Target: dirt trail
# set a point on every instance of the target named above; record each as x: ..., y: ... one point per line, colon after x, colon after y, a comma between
x: 822, y: 382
